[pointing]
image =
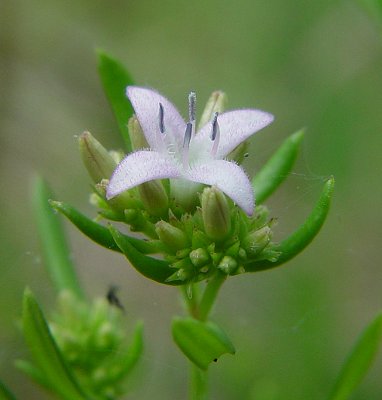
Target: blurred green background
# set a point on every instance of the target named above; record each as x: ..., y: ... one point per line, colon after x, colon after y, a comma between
x: 311, y: 63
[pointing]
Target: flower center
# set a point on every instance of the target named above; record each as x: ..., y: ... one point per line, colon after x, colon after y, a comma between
x: 169, y: 141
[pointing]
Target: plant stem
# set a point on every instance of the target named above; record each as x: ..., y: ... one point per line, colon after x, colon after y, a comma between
x: 200, y: 310
x: 191, y: 298
x: 210, y: 294
x: 198, y: 383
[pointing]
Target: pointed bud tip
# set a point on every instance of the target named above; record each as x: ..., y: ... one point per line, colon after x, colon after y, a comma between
x: 215, y: 213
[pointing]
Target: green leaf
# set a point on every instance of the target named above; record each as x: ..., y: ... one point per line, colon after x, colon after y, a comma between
x: 115, y: 79
x: 129, y: 360
x: 5, y: 393
x: 101, y: 234
x: 359, y: 360
x: 152, y: 268
x: 201, y: 342
x: 54, y: 245
x: 45, y: 351
x: 277, y: 167
x: 300, y: 239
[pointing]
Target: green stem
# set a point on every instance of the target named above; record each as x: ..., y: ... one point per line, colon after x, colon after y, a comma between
x: 210, y: 294
x: 198, y: 383
x: 191, y: 298
x: 200, y: 310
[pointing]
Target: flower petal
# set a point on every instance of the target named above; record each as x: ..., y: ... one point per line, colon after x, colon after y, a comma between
x: 228, y: 177
x: 139, y: 167
x: 146, y: 106
x: 235, y: 127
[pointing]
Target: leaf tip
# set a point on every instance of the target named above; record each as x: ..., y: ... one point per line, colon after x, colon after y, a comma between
x: 298, y: 136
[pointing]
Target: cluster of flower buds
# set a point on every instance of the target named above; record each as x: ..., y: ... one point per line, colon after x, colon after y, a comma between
x: 92, y: 340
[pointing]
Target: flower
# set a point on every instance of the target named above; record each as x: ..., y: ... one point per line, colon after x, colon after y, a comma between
x: 187, y: 157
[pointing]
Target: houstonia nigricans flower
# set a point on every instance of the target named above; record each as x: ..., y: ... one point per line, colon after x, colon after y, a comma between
x: 188, y: 157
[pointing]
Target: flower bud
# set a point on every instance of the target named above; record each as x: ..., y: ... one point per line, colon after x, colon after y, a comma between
x: 139, y: 223
x: 180, y: 275
x: 154, y: 197
x: 121, y: 202
x: 228, y: 265
x: 199, y: 257
x: 216, y: 213
x: 99, y: 163
x: 216, y: 103
x: 256, y: 241
x: 173, y: 238
x: 138, y: 140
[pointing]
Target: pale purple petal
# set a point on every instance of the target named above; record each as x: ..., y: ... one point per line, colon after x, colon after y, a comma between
x: 228, y: 177
x: 139, y: 167
x: 235, y: 127
x: 146, y: 106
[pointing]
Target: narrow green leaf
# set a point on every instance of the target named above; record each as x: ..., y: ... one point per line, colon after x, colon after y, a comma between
x: 201, y: 342
x: 152, y: 268
x: 5, y: 393
x: 359, y: 360
x: 45, y: 351
x: 277, y: 167
x: 297, y: 242
x: 115, y: 79
x: 54, y: 245
x: 100, y: 234
x: 130, y: 359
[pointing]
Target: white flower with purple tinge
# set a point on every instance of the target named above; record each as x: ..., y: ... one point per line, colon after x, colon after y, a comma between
x: 187, y: 157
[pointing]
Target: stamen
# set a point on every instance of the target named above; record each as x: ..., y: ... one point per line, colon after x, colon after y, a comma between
x: 215, y: 135
x: 186, y: 143
x: 187, y: 135
x: 215, y: 126
x: 161, y: 118
x: 192, y: 106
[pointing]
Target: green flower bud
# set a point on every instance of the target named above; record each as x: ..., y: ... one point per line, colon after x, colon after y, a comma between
x: 105, y: 335
x: 99, y: 163
x: 154, y: 197
x: 228, y: 265
x: 216, y: 213
x: 139, y: 223
x: 180, y: 275
x: 138, y: 140
x: 216, y: 103
x: 117, y: 155
x: 199, y: 257
x: 123, y: 201
x: 173, y: 238
x: 256, y: 241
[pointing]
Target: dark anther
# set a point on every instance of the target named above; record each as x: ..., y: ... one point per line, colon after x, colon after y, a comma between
x: 161, y: 118
x: 187, y: 135
x: 215, y: 126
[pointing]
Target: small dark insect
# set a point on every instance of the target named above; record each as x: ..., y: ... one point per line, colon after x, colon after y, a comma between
x: 215, y: 360
x: 112, y: 297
